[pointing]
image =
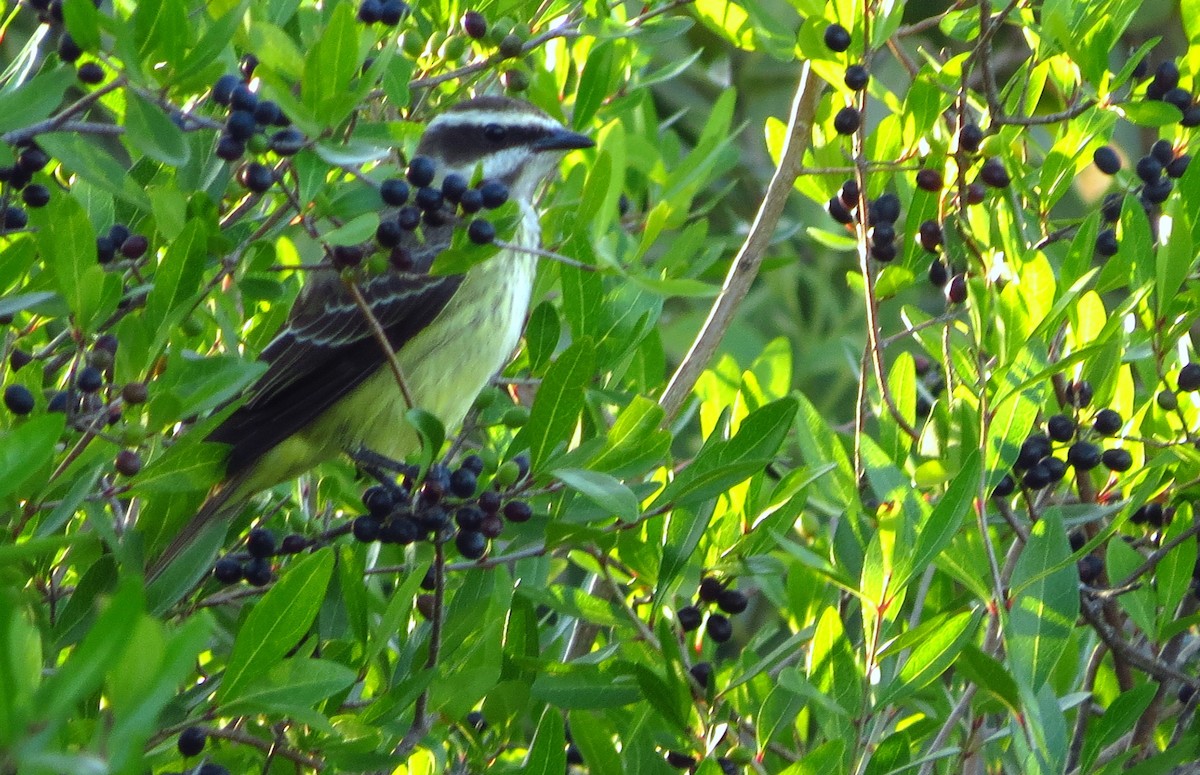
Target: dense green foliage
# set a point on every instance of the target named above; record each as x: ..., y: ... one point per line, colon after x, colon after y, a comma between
x: 881, y: 527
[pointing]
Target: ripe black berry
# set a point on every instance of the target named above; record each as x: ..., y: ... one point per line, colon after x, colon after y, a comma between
x: 493, y: 193
x: 929, y: 180
x: 956, y: 291
x: 1150, y: 513
x: 230, y: 148
x: 492, y: 527
x: 1189, y: 377
x: 222, y: 91
x: 885, y: 209
x: 463, y: 483
x: 13, y: 218
x: 689, y: 617
x: 489, y: 501
x: 258, y: 572
x: 191, y: 741
x: 883, y: 251
x: 293, y: 543
x: 1191, y: 116
x: 18, y: 399
x: 474, y: 24
x: 710, y: 589
x: 68, y: 49
x: 1060, y: 427
x: 930, y: 235
x: 732, y: 601
x: 1178, y: 166
x: 1004, y: 487
x: 428, y: 198
x: 1107, y: 160
x: 1110, y: 210
x: 1079, y: 393
x: 1118, y: 460
x: 90, y: 73
x: 993, y: 173
x: 1149, y: 169
x: 1090, y: 568
x: 970, y: 137
x: 1032, y: 450
x: 469, y: 518
x: 420, y: 171
x: 18, y: 358
x: 1055, y: 467
x: 857, y: 77
x: 718, y: 628
x: 36, y: 195
x: 472, y: 463
x: 260, y: 542
x: 837, y: 38
x: 400, y: 530
x: 1106, y: 243
x: 838, y: 211
x: 517, y: 511
x: 702, y: 672
x: 392, y: 11
x: 90, y: 379
x: 1037, y: 477
x: 409, y: 217
x: 453, y: 187
x: 481, y: 232
x: 1166, y: 76
x: 366, y: 528
x: 471, y: 201
x: 1163, y: 151
x: 287, y: 142
x: 847, y: 121
x: 680, y: 761
x: 883, y: 233
x: 848, y: 194
x: 388, y: 233
x: 1180, y: 98
x: 369, y: 11
x: 394, y: 192
x: 240, y: 125
x: 228, y: 570
x: 471, y: 545
x: 1107, y: 422
x: 135, y: 246
x: 1083, y: 455
x: 1157, y: 191
x: 256, y: 177
x: 128, y: 462
x: 266, y: 113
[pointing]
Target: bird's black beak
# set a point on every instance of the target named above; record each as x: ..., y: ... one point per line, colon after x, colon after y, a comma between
x: 563, y: 140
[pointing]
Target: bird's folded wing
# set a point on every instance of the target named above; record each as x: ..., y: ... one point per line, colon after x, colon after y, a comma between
x: 324, y: 352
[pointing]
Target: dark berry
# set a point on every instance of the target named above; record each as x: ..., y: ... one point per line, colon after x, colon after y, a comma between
x: 90, y: 379
x: 1167, y: 401
x: 1060, y: 427
x: 471, y: 545
x: 1077, y: 540
x: 837, y: 38
x: 1107, y: 422
x: 1151, y: 513
x: 260, y: 542
x: 1178, y: 166
x: 409, y: 217
x: 718, y: 628
x: 287, y: 142
x: 489, y: 501
x: 1106, y: 243
x: 394, y: 192
x: 346, y: 256
x: 1090, y: 568
x: 702, y: 672
x: 970, y: 137
x: 18, y: 399
x: 1004, y: 487
x: 420, y: 171
x: 267, y: 113
x: 1037, y: 477
x: 1083, y: 455
x: 689, y: 617
x: 476, y: 721
x: 1107, y: 160
x: 847, y: 121
x: 366, y: 528
x: 838, y: 211
x: 240, y: 124
x: 453, y: 187
x: 492, y: 526
x: 1149, y: 169
x: 1180, y: 98
x: 36, y: 195
x: 230, y: 148
x: 389, y: 233
x: 222, y: 91
x: 247, y: 66
x: 517, y: 511
x: 1032, y: 450
x: 1157, y: 191
x: 68, y: 49
x: 472, y: 463
x: 993, y: 173
x: 433, y: 518
x: 710, y: 589
x: 128, y: 462
x: 470, y: 518
x: 14, y: 218
x: 1079, y: 393
x: 392, y: 11
x: 1189, y: 377
x: 848, y: 194
x: 939, y: 273
x: 1055, y: 467
x: 1191, y: 116
x: 400, y: 530
x: 258, y: 572
x: 1118, y: 460
x: 18, y: 359
x: 929, y: 180
x: 956, y: 291
x: 135, y: 246
x: 256, y: 177
x: 463, y: 483
x: 976, y: 193
x: 429, y: 198
x: 481, y: 232
x: 493, y: 193
x: 369, y: 11
x: 1166, y: 76
x: 857, y: 77
x: 680, y: 761
x: 471, y: 201
x: 59, y: 402
x: 883, y: 233
x: 90, y: 73
x: 228, y: 570
x: 1110, y: 210
x: 732, y: 601
x: 883, y: 251
x: 886, y: 209
x: 1163, y: 151
x: 32, y: 160
x: 474, y: 24
x: 191, y: 741
x: 293, y: 543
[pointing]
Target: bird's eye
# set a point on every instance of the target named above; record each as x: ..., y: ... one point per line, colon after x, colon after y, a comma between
x: 494, y: 133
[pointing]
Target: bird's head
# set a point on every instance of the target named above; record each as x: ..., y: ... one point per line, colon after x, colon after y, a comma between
x: 507, y: 139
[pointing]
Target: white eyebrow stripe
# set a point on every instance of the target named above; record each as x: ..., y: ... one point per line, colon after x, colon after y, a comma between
x: 504, y: 118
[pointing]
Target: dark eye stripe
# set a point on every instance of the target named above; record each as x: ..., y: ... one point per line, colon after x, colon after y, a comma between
x: 461, y: 143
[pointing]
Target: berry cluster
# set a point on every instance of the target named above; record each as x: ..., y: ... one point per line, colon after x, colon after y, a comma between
x: 1165, y: 87
x: 18, y: 179
x: 718, y: 627
x: 254, y: 564
x: 50, y: 13
x: 1156, y: 172
x: 246, y: 125
x: 120, y: 239
x: 386, y: 12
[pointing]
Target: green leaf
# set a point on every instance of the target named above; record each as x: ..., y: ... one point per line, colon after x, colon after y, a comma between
x: 149, y: 130
x: 1122, y: 560
x: 1174, y: 573
x: 593, y: 84
x: 217, y: 37
x: 932, y: 656
x: 431, y: 432
x: 594, y: 736
x: 1151, y: 113
x: 293, y: 682
x: 68, y: 246
x: 986, y: 672
x: 329, y: 67
x: 95, y: 165
x: 548, y: 751
x: 541, y: 336
x: 556, y: 408
x: 83, y: 22
x: 1119, y: 717
x: 1046, y: 603
x: 161, y: 30
x: 605, y: 491
x: 176, y: 280
x: 35, y: 99
x: 357, y: 230
x: 276, y: 624
x: 940, y: 527
x: 27, y: 449
x: 580, y: 686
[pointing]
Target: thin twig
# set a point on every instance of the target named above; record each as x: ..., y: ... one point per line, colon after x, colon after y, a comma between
x: 745, y: 264
x: 543, y: 253
x: 381, y: 337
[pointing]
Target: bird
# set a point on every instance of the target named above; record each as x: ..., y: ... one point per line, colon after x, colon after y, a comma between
x: 329, y: 387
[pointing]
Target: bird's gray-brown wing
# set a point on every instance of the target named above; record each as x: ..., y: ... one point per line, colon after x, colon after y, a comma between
x: 326, y: 350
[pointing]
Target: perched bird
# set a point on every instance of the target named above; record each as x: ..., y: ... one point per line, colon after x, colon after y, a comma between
x: 329, y: 387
